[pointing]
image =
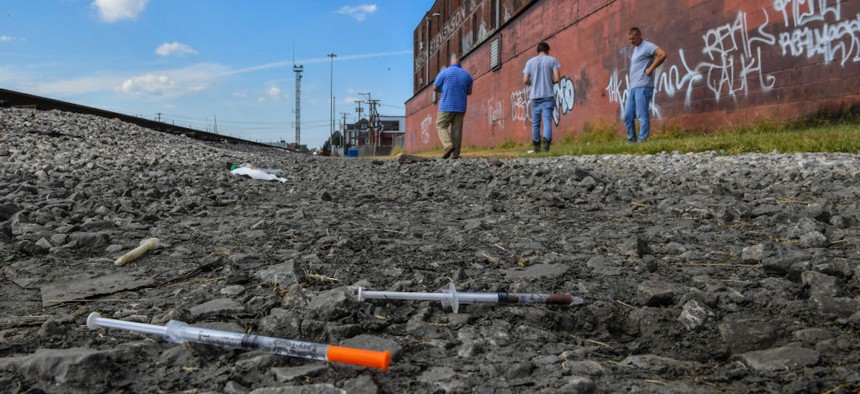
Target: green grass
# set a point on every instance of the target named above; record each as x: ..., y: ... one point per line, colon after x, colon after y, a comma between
x: 817, y: 133
x: 827, y: 136
x: 762, y: 139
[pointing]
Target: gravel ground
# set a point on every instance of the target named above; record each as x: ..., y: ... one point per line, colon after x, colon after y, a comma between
x: 700, y: 272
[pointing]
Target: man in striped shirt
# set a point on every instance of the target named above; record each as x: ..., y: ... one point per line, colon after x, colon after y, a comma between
x: 455, y: 84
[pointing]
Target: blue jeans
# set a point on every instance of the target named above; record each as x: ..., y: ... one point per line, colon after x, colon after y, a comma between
x: 542, y: 113
x: 638, y: 102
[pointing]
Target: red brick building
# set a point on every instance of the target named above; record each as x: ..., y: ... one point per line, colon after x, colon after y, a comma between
x: 730, y: 62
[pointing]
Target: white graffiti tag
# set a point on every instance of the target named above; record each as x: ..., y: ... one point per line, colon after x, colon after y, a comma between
x: 804, y: 11
x: 521, y: 106
x: 617, y: 90
x: 495, y: 115
x: 425, y: 129
x: 564, y: 97
x: 732, y: 61
x: 734, y: 55
x: 839, y: 40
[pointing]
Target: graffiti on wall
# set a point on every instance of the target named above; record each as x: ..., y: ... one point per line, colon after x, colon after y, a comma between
x: 495, y: 114
x: 805, y: 11
x: 839, y: 40
x: 732, y: 63
x: 616, y: 90
x: 565, y: 97
x: 521, y: 107
x: 425, y: 129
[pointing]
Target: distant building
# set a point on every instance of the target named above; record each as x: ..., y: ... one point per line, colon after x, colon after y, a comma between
x: 392, y: 127
x: 379, y: 140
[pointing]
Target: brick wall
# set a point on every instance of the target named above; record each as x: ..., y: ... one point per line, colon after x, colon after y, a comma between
x: 731, y: 62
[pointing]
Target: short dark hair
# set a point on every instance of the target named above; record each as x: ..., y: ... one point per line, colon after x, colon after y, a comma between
x: 634, y: 30
x: 543, y: 47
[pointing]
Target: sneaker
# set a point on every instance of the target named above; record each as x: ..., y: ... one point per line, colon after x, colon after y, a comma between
x: 536, y: 147
x: 448, y: 152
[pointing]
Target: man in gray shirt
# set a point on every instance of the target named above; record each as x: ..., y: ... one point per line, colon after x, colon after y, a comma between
x: 540, y: 73
x: 645, y: 59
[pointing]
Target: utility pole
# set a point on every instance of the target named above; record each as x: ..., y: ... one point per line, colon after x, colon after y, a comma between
x: 370, y: 134
x: 374, y: 120
x: 358, y: 110
x: 298, y: 70
x: 343, y: 140
x: 331, y: 95
x: 374, y: 124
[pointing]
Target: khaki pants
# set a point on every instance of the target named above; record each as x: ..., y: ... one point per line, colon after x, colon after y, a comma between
x: 455, y: 136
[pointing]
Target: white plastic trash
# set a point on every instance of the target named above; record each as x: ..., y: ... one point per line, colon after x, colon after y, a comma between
x: 256, y: 173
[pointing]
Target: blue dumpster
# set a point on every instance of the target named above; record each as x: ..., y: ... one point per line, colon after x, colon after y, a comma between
x: 352, y: 152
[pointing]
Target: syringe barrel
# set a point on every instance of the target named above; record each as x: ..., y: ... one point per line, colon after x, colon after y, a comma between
x: 180, y: 332
x: 477, y: 298
x: 177, y: 331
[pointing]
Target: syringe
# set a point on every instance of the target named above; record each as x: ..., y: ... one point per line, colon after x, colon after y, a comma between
x: 176, y: 331
x: 451, y: 297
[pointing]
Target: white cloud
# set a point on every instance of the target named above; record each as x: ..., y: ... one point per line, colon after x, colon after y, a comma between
x: 164, y: 83
x: 6, y: 38
x: 358, y: 12
x: 240, y: 95
x: 274, y: 92
x: 174, y: 47
x: 156, y: 84
x: 175, y: 82
x: 76, y: 86
x: 117, y: 10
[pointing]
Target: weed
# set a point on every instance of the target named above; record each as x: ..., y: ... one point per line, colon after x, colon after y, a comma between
x: 397, y: 150
x: 510, y: 144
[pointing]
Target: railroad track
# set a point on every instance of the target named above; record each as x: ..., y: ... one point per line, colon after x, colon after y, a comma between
x: 9, y: 98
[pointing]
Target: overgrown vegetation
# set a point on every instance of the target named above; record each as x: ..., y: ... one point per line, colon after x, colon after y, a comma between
x: 826, y: 131
x: 397, y: 150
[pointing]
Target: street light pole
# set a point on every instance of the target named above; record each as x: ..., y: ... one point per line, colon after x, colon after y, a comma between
x: 331, y: 98
x: 427, y: 19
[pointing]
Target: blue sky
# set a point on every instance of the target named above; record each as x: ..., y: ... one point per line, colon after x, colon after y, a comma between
x: 198, y: 62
